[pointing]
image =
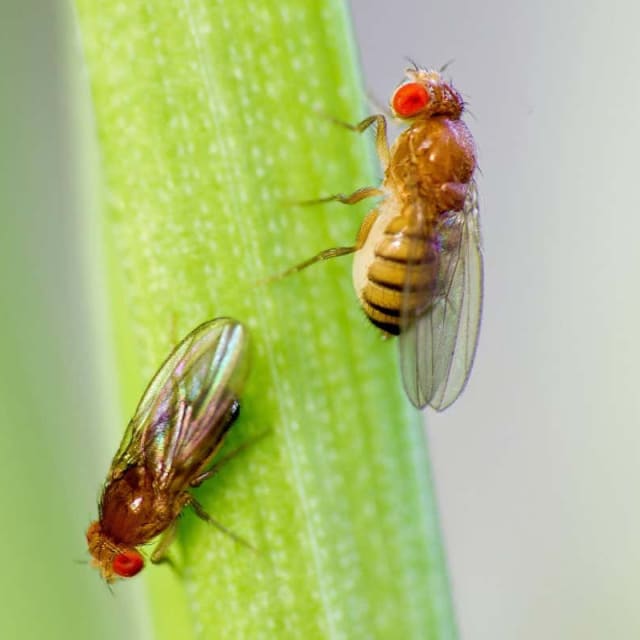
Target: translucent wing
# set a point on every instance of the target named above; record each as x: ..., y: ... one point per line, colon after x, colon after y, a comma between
x: 188, y: 406
x: 438, y: 342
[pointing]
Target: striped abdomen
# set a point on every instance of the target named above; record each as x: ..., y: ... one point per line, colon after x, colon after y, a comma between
x: 398, y: 270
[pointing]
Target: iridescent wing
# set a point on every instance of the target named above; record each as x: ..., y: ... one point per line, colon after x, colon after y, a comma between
x: 438, y: 343
x: 188, y: 406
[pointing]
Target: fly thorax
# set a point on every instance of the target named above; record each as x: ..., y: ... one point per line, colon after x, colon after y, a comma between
x: 130, y: 513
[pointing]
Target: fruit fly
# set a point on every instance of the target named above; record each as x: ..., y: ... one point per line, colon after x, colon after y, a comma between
x: 168, y: 447
x: 417, y: 268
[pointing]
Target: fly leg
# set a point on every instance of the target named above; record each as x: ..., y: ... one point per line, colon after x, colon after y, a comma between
x: 382, y: 147
x: 382, y: 144
x: 349, y: 198
x: 199, y: 479
x: 203, y: 515
x: 334, y: 252
x: 327, y: 254
x: 222, y: 461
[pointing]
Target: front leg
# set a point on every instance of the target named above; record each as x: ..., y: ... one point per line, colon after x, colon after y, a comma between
x: 382, y: 144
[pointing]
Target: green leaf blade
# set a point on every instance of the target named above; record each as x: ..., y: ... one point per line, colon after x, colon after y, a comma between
x: 212, y: 119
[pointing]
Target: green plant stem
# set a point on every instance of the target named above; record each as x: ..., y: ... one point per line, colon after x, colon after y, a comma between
x: 211, y: 119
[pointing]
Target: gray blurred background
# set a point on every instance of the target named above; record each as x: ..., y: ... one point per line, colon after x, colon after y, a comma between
x: 536, y: 466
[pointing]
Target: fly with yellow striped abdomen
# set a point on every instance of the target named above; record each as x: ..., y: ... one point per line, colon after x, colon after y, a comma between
x: 417, y: 268
x: 168, y: 447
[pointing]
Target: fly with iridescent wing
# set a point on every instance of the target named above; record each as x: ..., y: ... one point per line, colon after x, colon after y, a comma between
x: 169, y: 446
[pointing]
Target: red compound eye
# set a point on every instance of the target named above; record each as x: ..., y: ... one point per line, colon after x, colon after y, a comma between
x: 409, y: 99
x: 128, y: 563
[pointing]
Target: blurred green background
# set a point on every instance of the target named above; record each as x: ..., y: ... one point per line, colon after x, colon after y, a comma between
x: 537, y: 465
x: 57, y: 405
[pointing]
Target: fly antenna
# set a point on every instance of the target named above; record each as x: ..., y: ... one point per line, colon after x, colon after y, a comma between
x: 446, y: 65
x: 412, y: 62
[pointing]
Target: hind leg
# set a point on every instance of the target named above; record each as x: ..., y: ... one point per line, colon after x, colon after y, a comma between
x: 327, y: 254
